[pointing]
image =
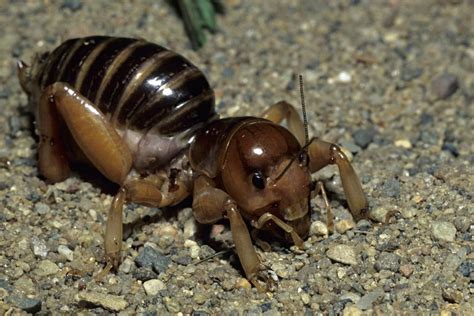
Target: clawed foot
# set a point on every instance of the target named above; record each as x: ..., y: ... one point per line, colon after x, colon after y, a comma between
x: 265, y: 280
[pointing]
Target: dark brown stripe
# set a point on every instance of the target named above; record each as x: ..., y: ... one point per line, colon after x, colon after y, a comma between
x: 188, y: 86
x: 139, y: 100
x: 73, y: 65
x: 192, y: 112
x: 55, y: 60
x: 98, y: 68
x: 124, y: 73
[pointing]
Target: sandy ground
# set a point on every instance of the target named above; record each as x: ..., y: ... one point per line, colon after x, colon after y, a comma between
x: 391, y: 81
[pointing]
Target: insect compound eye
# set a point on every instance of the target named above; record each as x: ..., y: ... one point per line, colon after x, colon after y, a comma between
x: 303, y: 159
x: 258, y: 180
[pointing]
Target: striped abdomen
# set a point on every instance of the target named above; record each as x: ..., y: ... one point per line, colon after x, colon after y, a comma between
x: 138, y: 85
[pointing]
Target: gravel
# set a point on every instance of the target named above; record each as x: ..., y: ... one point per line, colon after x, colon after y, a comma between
x: 392, y: 81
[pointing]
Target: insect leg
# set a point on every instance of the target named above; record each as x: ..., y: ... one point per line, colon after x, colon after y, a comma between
x: 52, y: 159
x: 321, y: 154
x: 329, y: 215
x: 209, y: 205
x: 96, y: 137
x: 266, y: 217
x: 144, y: 191
x: 283, y: 110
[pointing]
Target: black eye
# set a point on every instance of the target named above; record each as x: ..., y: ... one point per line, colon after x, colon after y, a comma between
x: 258, y: 180
x: 303, y: 159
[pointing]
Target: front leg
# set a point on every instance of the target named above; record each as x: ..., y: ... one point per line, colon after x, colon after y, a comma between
x: 211, y: 204
x: 321, y: 154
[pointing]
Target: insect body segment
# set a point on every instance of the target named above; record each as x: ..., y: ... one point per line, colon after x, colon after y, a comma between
x: 144, y: 117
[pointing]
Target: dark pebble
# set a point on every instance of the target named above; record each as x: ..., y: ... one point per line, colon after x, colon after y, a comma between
x: 4, y: 185
x: 29, y: 305
x: 5, y: 285
x: 144, y: 274
x: 149, y: 257
x: 363, y: 137
x: 391, y: 188
x: 199, y: 313
x: 183, y: 260
x: 426, y: 118
x: 444, y: 86
x: 387, y: 261
x: 339, y: 306
x: 72, y: 5
x: 388, y: 246
x: 449, y: 147
x: 265, y: 306
x: 462, y: 223
x: 363, y: 225
x: 205, y: 251
x: 466, y: 268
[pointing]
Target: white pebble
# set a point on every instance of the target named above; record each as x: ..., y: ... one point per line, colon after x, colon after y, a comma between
x: 66, y: 252
x: 153, y: 287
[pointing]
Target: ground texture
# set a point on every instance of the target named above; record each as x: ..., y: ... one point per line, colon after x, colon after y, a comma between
x: 391, y: 81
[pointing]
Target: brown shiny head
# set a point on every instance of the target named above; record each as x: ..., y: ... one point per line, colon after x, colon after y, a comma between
x: 264, y: 170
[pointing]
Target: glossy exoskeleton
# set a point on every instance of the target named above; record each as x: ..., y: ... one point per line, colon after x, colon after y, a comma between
x: 144, y: 117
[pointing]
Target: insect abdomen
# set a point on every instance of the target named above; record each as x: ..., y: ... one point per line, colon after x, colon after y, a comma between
x: 138, y: 84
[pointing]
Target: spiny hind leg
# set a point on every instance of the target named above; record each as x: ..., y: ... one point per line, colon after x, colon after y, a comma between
x: 52, y: 159
x: 283, y: 110
x: 93, y: 133
x: 321, y: 154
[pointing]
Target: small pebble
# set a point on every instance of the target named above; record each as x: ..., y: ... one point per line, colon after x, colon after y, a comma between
x: 280, y: 269
x: 39, y: 247
x: 404, y: 143
x: 444, y: 85
x: 406, y: 270
x: 368, y: 299
x: 144, y: 274
x: 243, y: 283
x: 45, y: 268
x: 378, y: 214
x: 318, y: 228
x: 444, y: 231
x: 66, y: 252
x: 73, y: 5
x: 363, y: 137
x: 351, y: 310
x: 199, y: 298
x: 452, y: 295
x: 344, y: 225
x: 111, y: 302
x: 150, y: 257
x: 29, y: 305
x: 343, y: 254
x: 171, y: 304
x: 153, y: 287
x: 391, y: 188
x: 387, y: 261
x: 126, y: 266
x: 205, y: 252
x: 42, y: 208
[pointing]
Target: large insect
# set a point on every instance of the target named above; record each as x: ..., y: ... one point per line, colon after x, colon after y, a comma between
x: 144, y: 117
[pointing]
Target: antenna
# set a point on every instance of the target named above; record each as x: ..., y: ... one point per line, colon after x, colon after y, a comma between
x: 303, y: 107
x: 304, y: 148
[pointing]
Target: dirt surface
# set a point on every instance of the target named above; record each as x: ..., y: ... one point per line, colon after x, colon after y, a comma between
x: 391, y: 81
